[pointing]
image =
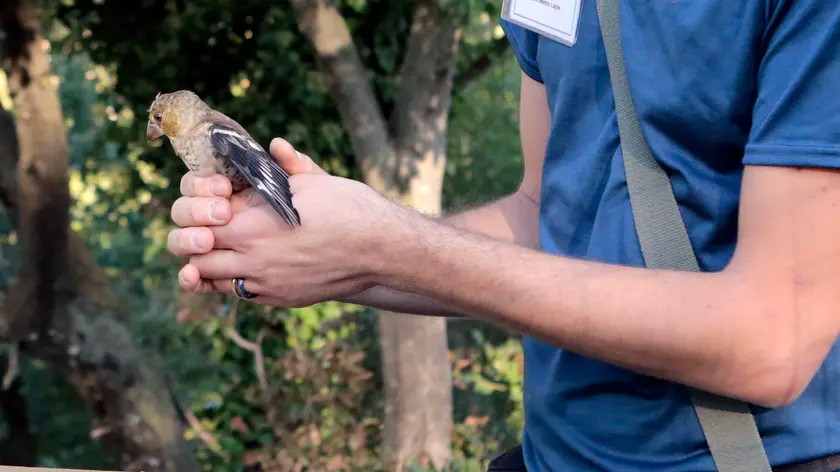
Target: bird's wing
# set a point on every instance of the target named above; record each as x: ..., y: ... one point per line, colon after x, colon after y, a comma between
x: 265, y: 175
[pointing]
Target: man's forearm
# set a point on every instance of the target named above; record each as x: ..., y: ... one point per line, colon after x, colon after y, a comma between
x: 384, y: 298
x: 693, y: 328
x: 513, y: 219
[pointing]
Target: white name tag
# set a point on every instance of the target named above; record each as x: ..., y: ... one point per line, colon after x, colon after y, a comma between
x: 555, y: 19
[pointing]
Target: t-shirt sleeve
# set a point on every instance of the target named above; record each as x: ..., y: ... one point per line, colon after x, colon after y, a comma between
x: 524, y: 43
x: 796, y: 117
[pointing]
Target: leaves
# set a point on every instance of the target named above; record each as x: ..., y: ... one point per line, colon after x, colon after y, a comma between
x: 322, y: 363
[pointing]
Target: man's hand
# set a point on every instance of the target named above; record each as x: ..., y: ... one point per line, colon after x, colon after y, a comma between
x: 332, y: 255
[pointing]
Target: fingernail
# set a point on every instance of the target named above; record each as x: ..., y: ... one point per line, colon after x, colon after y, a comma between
x: 198, y: 240
x: 299, y: 155
x: 218, y: 188
x: 218, y: 212
x: 181, y: 278
x: 275, y: 142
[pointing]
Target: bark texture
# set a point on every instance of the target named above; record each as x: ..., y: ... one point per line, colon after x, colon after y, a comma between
x: 61, y: 309
x: 404, y: 159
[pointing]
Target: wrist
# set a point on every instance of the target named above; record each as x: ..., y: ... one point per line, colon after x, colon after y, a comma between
x: 401, y: 248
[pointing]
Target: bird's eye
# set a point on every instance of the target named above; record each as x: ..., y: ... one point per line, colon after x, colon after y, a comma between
x: 158, y: 117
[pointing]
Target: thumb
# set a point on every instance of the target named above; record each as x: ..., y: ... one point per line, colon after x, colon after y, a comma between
x: 292, y: 161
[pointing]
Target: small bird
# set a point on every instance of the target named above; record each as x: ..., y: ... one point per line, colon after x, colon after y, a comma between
x: 209, y: 142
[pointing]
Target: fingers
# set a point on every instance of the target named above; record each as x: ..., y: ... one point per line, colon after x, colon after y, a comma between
x: 190, y: 241
x: 190, y: 279
x: 201, y: 211
x: 208, y: 229
x: 291, y: 160
x: 199, y: 220
x: 223, y: 264
x: 215, y: 272
x: 238, y: 233
x: 210, y: 186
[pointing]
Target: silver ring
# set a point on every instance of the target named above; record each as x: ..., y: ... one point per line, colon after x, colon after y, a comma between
x: 239, y: 289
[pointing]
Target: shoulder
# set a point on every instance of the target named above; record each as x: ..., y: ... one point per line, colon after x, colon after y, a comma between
x: 525, y: 44
x: 796, y: 117
x: 215, y: 117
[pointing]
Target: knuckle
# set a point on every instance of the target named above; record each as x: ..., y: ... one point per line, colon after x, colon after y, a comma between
x: 199, y: 211
x: 194, y: 212
x: 215, y: 210
x: 258, y: 273
x: 199, y: 187
x: 203, y: 186
x: 244, y: 241
x: 204, y: 239
x: 219, y: 186
x: 218, y: 285
x: 198, y: 261
x: 178, y: 242
x: 185, y: 242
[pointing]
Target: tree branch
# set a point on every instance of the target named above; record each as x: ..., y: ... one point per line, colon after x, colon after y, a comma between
x: 350, y: 87
x: 12, y: 368
x: 421, y: 109
x: 207, y: 438
x: 254, y: 348
x: 482, y: 64
x: 426, y: 71
x: 43, y: 194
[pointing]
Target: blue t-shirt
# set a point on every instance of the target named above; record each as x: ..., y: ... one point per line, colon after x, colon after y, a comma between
x: 718, y: 84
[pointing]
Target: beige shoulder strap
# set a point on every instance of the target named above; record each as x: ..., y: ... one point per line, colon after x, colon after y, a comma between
x: 728, y: 424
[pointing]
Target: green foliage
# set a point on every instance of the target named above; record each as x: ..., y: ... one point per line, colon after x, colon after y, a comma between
x: 246, y: 58
x: 321, y: 401
x: 310, y: 405
x: 484, y: 155
x: 63, y: 434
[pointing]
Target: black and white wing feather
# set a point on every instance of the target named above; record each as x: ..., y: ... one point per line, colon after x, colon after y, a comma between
x: 265, y: 175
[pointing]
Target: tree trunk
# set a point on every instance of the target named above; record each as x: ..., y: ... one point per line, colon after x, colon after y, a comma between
x: 407, y: 165
x: 61, y: 309
x: 418, y: 419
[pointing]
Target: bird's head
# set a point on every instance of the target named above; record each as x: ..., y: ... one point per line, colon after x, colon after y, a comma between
x: 172, y: 113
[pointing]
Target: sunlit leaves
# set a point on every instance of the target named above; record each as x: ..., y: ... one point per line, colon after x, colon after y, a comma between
x: 247, y: 58
x: 155, y: 232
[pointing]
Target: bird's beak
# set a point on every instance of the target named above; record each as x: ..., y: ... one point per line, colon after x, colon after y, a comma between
x: 153, y: 131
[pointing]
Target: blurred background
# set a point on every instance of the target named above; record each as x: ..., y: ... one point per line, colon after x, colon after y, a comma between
x: 107, y: 365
